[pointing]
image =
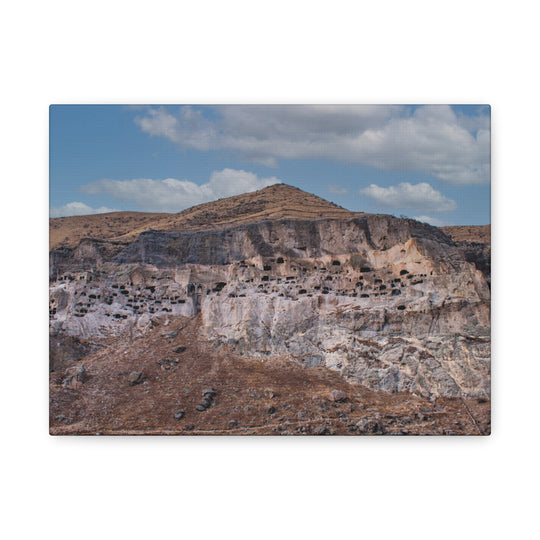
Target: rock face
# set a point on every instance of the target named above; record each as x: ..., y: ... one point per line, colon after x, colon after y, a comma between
x: 391, y: 303
x: 75, y: 377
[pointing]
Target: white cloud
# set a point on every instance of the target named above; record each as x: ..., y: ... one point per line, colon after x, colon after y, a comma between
x: 337, y: 190
x: 405, y: 195
x: 189, y: 128
x: 171, y: 195
x: 431, y: 220
x: 475, y: 123
x: 431, y: 139
x: 77, y: 209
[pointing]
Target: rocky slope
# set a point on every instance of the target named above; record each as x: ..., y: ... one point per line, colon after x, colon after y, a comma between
x: 392, y: 304
x: 474, y: 243
x: 250, y: 397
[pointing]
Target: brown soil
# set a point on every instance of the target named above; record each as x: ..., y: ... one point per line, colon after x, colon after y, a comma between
x: 246, y: 391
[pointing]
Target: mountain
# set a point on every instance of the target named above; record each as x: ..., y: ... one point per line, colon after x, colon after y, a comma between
x: 280, y: 277
x: 274, y: 202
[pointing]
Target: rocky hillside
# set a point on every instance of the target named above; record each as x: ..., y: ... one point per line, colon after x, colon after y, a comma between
x: 474, y: 243
x: 159, y: 382
x: 275, y: 202
x: 392, y: 304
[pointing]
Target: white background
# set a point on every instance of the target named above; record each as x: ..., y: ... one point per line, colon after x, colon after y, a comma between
x: 245, y: 52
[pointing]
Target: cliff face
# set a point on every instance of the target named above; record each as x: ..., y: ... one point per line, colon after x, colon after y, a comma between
x: 474, y: 243
x: 294, y: 239
x: 390, y: 303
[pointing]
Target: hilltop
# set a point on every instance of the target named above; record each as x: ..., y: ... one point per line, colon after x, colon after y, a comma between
x: 279, y: 201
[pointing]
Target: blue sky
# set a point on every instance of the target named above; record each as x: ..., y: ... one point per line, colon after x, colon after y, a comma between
x: 427, y: 162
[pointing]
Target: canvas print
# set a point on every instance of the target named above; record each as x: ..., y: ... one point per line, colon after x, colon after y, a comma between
x: 269, y: 270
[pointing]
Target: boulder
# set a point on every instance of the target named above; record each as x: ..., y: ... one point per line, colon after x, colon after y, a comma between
x: 135, y: 377
x: 337, y: 396
x: 159, y: 319
x: 168, y: 363
x: 75, y: 377
x: 370, y: 426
